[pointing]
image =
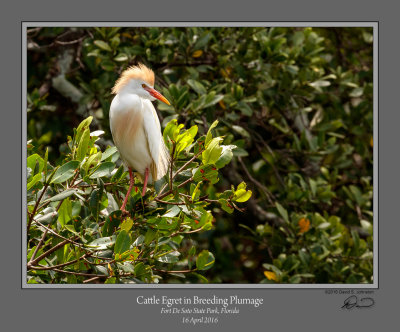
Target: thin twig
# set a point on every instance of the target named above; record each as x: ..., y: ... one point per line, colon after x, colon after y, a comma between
x: 47, y: 253
x: 187, y: 163
x: 189, y: 232
x: 57, y: 266
x: 179, y: 186
x: 268, y: 194
x: 172, y: 203
x: 38, y: 246
x: 36, y: 206
x: 60, y: 236
x: 80, y: 273
x: 178, y: 271
x: 69, y: 42
x: 171, y: 166
x: 185, y: 182
x: 103, y: 263
x: 161, y: 195
x: 202, y: 199
x: 93, y: 279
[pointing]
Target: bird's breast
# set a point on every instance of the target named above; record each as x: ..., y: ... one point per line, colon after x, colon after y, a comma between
x: 126, y: 121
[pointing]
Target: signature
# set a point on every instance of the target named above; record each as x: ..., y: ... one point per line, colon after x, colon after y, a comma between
x: 354, y: 302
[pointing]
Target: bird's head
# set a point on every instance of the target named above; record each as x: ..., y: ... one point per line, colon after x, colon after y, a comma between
x: 138, y: 80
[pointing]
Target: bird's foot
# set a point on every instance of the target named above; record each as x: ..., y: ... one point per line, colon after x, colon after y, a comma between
x: 124, y: 212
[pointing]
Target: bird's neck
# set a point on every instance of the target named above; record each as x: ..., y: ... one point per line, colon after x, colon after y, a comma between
x: 128, y: 101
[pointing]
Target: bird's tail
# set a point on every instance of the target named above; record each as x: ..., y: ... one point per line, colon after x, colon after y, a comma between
x: 163, y: 162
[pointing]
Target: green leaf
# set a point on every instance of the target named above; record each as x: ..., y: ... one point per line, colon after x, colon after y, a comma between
x: 282, y: 211
x: 240, y: 130
x: 209, y: 133
x: 225, y: 205
x: 107, y: 65
x: 121, y: 57
x: 109, y: 152
x: 196, y: 192
x: 169, y: 257
x: 65, y: 212
x: 83, y: 145
x: 126, y: 224
x: 122, y: 243
x: 82, y: 127
x: 357, y: 195
x: 313, y: 186
x: 62, y: 195
x: 103, y: 45
x: 226, y: 156
x: 111, y: 280
x: 94, y: 159
x: 206, y: 173
x: 213, y: 151
x: 244, y: 108
x: 65, y: 172
x: 102, y: 243
x: 242, y: 195
x: 317, y: 85
x: 192, y: 251
x: 205, y: 260
x: 239, y: 152
x: 118, y: 175
x: 211, y: 99
x: 324, y: 225
x: 197, y: 86
x: 104, y: 169
x: 242, y: 185
x: 185, y: 139
x: 202, y: 41
x: 172, y: 212
x: 71, y: 229
x: 150, y: 236
x: 357, y: 92
x: 111, y: 223
x: 171, y: 132
x: 46, y: 157
x: 34, y: 180
x: 47, y: 216
x: 35, y: 163
x: 97, y: 202
x: 202, y: 278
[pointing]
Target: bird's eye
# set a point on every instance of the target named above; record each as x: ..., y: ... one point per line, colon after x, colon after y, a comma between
x: 143, y: 86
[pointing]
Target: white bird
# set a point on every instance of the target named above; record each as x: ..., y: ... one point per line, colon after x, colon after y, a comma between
x: 136, y: 128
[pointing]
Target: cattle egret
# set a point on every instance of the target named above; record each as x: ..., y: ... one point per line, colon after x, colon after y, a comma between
x: 135, y: 126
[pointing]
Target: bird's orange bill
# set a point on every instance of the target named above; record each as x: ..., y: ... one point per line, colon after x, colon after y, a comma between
x: 157, y: 95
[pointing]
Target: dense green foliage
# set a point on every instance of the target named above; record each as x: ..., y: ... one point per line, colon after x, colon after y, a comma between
x: 295, y: 102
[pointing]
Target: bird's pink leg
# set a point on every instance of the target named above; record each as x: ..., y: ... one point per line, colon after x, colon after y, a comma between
x: 146, y: 176
x: 131, y: 183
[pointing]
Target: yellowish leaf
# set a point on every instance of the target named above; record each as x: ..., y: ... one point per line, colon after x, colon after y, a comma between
x: 110, y: 269
x: 371, y: 142
x: 226, y: 72
x: 126, y: 34
x: 197, y: 54
x: 271, y: 275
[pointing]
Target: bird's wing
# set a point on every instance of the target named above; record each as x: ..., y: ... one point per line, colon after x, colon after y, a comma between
x: 157, y: 148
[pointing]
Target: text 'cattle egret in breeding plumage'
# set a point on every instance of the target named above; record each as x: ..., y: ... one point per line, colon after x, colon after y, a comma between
x: 135, y: 126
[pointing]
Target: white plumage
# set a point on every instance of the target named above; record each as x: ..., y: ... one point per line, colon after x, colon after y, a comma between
x: 135, y: 126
